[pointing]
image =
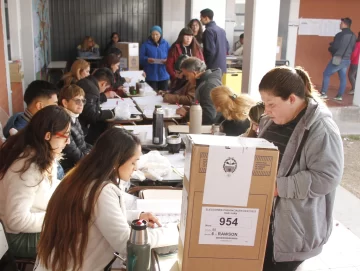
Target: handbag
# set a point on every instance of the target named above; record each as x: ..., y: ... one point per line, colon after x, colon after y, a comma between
x: 336, y: 60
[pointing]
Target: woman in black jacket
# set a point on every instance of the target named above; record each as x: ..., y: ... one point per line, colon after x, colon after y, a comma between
x: 114, y: 39
x: 72, y: 98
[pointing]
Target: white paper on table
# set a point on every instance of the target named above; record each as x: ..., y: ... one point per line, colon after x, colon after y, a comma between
x: 228, y: 226
x: 149, y: 100
x: 231, y: 168
x: 184, y: 207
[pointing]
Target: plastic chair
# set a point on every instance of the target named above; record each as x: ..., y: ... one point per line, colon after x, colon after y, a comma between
x: 12, y: 263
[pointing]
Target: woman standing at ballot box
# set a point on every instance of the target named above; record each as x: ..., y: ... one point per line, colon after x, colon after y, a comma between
x: 310, y: 168
x: 87, y: 219
x: 153, y: 56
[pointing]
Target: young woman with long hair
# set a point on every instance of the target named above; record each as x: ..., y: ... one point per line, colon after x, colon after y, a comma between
x: 88, y: 48
x: 86, y: 219
x: 184, y: 45
x: 79, y: 70
x: 197, y: 29
x: 114, y: 39
x: 28, y: 176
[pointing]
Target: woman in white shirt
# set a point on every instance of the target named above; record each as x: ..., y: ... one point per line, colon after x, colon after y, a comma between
x: 86, y: 219
x: 28, y: 177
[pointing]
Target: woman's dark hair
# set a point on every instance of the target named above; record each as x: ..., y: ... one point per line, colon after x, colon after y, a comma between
x: 109, y: 60
x: 65, y: 231
x: 194, y: 45
x: 30, y: 143
x: 283, y: 81
x: 115, y: 51
x: 113, y: 34
x: 200, y: 33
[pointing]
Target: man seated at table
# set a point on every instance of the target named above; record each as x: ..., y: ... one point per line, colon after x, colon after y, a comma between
x: 72, y: 98
x: 93, y: 118
x: 206, y: 80
x: 38, y: 95
x: 186, y: 93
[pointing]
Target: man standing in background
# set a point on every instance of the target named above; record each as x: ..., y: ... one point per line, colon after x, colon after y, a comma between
x: 340, y: 49
x: 215, y: 43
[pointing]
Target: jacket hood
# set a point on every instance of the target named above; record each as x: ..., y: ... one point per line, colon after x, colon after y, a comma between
x: 210, y: 74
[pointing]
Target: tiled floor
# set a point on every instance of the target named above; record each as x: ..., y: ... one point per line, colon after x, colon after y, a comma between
x: 341, y: 253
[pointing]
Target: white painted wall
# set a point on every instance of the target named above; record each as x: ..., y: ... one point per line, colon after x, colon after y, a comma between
x: 8, y: 85
x: 173, y: 19
x: 27, y: 41
x: 259, y: 59
x: 15, y: 28
x: 293, y: 31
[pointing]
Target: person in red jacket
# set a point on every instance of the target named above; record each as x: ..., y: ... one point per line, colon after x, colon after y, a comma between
x: 354, y: 65
x: 187, y: 45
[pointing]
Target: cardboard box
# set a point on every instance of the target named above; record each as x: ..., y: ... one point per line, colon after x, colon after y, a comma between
x: 14, y: 66
x: 130, y: 55
x: 278, y: 48
x: 215, y: 232
x: 16, y: 77
x: 233, y: 79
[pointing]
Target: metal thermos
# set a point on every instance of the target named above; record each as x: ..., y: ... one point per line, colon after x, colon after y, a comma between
x: 195, y: 118
x: 138, y: 247
x: 158, y: 125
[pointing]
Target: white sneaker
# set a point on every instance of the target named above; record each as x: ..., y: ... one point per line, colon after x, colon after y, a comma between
x: 351, y: 92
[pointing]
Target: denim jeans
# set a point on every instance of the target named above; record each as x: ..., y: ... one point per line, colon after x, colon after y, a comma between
x: 330, y: 70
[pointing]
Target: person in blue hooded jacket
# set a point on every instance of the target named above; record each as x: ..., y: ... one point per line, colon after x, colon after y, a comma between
x: 151, y: 51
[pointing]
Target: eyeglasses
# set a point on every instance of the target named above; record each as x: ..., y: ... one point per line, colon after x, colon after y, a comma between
x: 79, y: 101
x: 63, y: 136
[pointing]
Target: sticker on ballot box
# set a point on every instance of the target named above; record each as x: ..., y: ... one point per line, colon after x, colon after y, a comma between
x: 228, y: 226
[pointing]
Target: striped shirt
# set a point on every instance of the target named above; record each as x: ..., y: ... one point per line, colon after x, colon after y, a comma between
x: 279, y: 135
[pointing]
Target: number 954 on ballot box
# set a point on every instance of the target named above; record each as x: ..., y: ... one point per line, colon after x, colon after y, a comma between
x: 226, y: 203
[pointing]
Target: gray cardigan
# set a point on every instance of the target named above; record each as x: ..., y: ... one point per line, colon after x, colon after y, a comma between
x: 303, y: 209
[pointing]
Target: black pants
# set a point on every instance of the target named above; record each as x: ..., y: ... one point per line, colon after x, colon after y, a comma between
x: 158, y: 85
x: 270, y: 265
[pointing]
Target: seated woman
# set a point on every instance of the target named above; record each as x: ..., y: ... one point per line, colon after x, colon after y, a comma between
x: 185, y: 94
x: 206, y: 80
x: 234, y: 110
x: 185, y: 44
x: 114, y: 39
x: 88, y: 48
x: 255, y: 113
x: 89, y: 204
x: 28, y: 177
x: 79, y: 70
x: 72, y: 98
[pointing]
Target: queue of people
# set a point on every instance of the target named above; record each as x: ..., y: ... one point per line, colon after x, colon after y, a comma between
x: 88, y: 202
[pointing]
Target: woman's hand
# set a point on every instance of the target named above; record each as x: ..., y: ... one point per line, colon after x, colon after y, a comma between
x: 151, y: 219
x: 179, y: 75
x: 163, y: 61
x: 181, y: 111
x: 110, y: 94
x: 151, y: 60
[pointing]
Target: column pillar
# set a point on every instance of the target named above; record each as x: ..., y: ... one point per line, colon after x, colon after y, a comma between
x: 261, y: 32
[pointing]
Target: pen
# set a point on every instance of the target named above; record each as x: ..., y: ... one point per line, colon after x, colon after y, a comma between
x: 117, y: 96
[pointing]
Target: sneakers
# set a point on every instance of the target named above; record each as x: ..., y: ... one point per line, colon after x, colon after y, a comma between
x: 323, y: 95
x: 351, y: 92
x: 338, y: 98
